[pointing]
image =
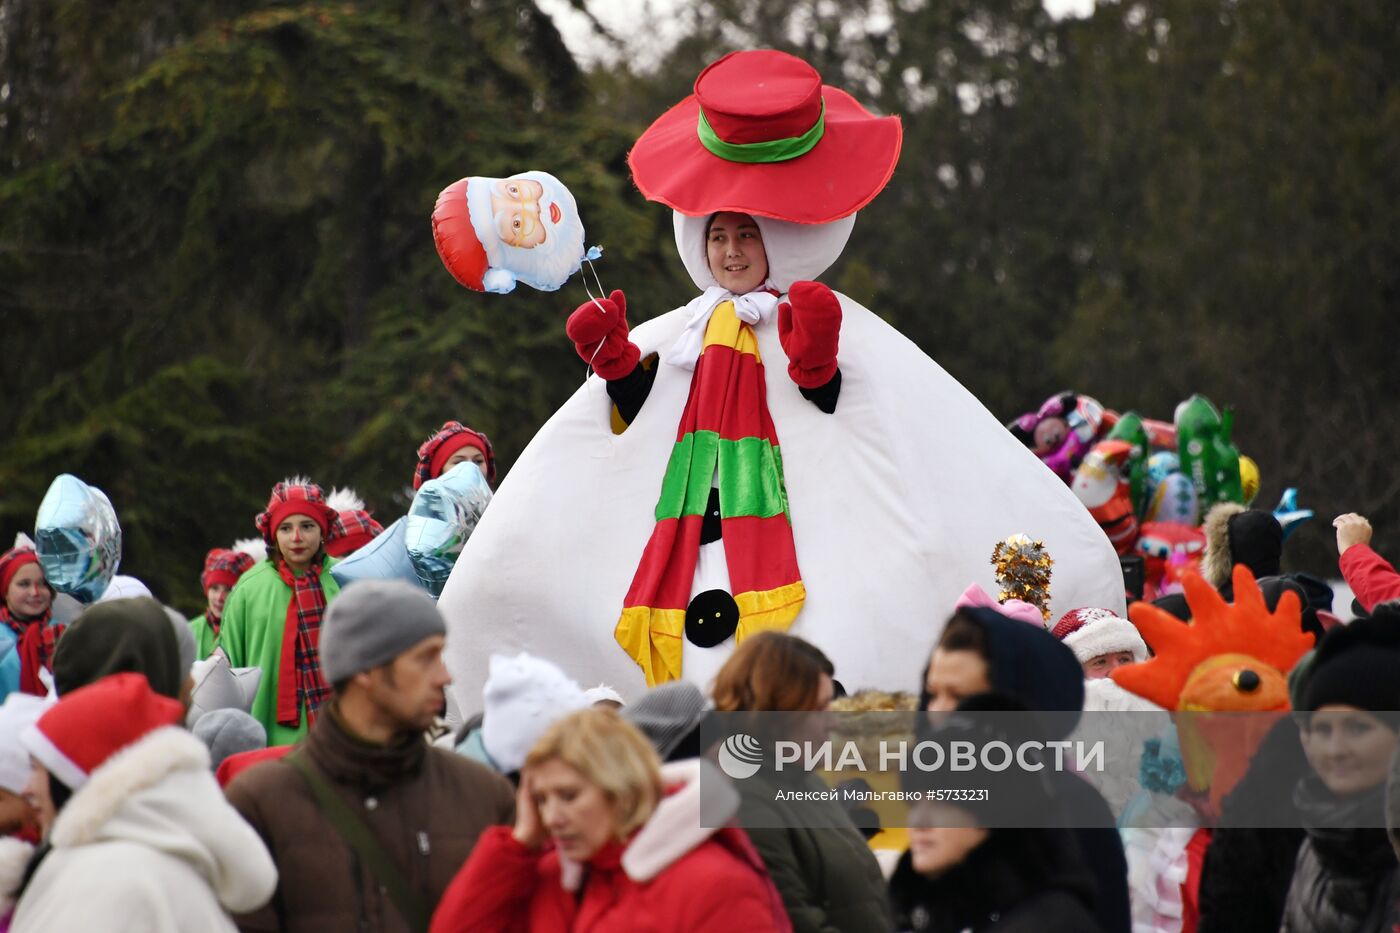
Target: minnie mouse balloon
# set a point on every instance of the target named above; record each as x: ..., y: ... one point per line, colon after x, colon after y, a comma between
x: 494, y: 232
x: 384, y: 558
x: 444, y: 513
x: 77, y: 538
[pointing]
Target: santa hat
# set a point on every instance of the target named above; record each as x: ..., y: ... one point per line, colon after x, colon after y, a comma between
x: 295, y: 496
x: 1090, y: 632
x: 12, y: 560
x: 458, y: 242
x: 353, y: 527
x: 438, y: 449
x: 224, y: 566
x: 762, y: 135
x: 89, y: 725
x: 523, y: 696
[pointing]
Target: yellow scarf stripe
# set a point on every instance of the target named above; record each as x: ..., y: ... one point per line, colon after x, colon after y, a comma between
x: 726, y: 330
x: 653, y: 637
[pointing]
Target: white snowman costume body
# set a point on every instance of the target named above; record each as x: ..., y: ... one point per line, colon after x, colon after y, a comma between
x: 897, y: 499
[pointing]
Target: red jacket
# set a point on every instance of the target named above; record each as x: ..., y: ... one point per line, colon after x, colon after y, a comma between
x: 1371, y: 577
x: 673, y: 875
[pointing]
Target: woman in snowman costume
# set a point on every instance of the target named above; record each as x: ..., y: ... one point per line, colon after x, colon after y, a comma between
x: 655, y: 521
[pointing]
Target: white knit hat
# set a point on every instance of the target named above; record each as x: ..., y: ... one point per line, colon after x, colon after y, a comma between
x: 20, y: 711
x: 522, y: 698
x: 1090, y: 632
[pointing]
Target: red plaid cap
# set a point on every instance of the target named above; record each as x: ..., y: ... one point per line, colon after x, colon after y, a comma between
x: 351, y: 530
x: 449, y: 439
x: 291, y: 497
x: 222, y: 565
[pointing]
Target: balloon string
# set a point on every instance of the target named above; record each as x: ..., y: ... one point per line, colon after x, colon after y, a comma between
x: 601, y: 310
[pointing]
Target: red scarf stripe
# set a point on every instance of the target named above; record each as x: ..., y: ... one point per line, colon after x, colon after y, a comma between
x: 35, y: 641
x: 667, y: 569
x: 721, y: 376
x: 299, y: 680
x: 775, y: 556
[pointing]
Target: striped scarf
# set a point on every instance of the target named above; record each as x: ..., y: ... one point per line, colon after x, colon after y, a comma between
x: 299, y: 681
x: 725, y: 431
x: 36, y: 640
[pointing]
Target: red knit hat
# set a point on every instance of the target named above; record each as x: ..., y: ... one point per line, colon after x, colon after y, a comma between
x: 222, y: 565
x: 89, y: 725
x: 439, y: 448
x: 351, y: 530
x: 296, y: 496
x: 10, y: 563
x: 762, y: 135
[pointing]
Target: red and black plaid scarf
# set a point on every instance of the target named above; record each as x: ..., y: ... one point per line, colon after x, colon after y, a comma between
x: 36, y: 640
x: 299, y: 681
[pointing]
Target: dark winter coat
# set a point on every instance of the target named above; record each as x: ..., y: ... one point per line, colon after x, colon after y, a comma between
x: 425, y: 805
x: 1017, y: 881
x: 1344, y: 878
x: 1037, y: 670
x: 1249, y: 867
x: 828, y: 877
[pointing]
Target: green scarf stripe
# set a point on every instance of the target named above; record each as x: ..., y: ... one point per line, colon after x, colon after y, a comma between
x: 750, y: 471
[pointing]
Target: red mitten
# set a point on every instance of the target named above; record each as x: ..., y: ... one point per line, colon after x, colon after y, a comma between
x: 808, y: 329
x: 599, y: 332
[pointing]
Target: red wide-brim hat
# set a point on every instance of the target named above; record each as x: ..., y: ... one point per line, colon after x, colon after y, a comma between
x: 762, y: 135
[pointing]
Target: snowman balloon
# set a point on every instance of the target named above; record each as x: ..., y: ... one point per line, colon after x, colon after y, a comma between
x: 772, y: 455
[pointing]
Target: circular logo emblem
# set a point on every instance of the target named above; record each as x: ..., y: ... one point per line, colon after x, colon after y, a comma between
x: 740, y: 756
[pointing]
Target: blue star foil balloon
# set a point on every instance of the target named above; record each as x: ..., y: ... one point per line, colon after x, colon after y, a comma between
x: 1288, y: 514
x: 443, y: 515
x: 77, y: 538
x: 384, y: 558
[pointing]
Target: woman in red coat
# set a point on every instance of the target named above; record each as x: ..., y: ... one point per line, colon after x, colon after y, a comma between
x: 607, y: 840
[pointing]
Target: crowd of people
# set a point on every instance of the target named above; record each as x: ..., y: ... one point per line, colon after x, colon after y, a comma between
x: 327, y: 805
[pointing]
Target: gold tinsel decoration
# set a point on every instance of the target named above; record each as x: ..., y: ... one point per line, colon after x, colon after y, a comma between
x: 1023, y: 572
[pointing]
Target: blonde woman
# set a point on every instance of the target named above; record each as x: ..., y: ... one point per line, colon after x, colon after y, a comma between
x: 606, y: 839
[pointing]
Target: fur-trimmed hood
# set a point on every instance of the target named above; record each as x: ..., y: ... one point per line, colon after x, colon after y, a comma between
x: 160, y: 793
x: 14, y: 858
x: 675, y: 828
x: 1237, y: 535
x: 1215, y: 561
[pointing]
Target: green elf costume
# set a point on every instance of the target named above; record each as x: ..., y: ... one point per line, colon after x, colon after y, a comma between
x: 222, y: 567
x: 272, y: 619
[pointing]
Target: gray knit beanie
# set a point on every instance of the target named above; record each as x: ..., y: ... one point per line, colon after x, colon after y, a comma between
x: 372, y: 622
x: 667, y: 714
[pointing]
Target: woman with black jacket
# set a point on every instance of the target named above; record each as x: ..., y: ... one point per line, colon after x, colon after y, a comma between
x: 1345, y: 879
x: 999, y: 860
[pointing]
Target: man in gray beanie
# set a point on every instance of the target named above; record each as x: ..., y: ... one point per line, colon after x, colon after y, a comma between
x: 366, y: 821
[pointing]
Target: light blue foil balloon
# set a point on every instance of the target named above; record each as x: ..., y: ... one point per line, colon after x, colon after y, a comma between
x: 77, y: 538
x: 443, y: 515
x: 1288, y: 515
x: 384, y: 558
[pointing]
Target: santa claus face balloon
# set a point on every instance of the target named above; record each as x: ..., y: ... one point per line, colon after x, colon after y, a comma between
x: 77, y: 538
x: 443, y: 515
x: 494, y: 232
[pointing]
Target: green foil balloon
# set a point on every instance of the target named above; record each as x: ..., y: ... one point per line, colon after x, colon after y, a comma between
x: 1208, y: 456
